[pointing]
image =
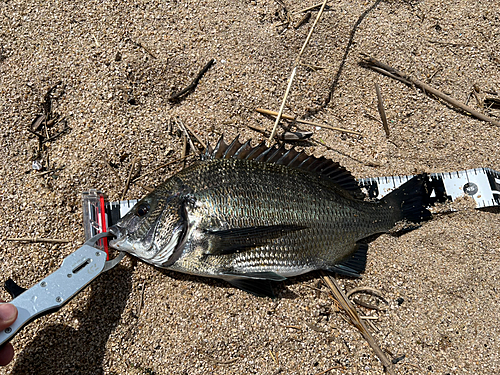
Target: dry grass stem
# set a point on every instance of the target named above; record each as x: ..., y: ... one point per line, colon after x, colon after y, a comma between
x: 282, y: 107
x: 186, y: 134
x: 149, y: 189
x: 368, y: 290
x: 273, y: 357
x: 146, y: 48
x: 303, y: 20
x: 294, y: 71
x: 258, y: 128
x: 294, y: 327
x: 141, y: 302
x: 200, y: 141
x: 160, y: 167
x: 131, y: 171
x: 36, y: 239
x: 292, y: 118
x: 184, y: 150
x: 356, y: 321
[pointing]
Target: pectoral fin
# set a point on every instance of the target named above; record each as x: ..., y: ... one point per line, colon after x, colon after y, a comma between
x: 235, y: 240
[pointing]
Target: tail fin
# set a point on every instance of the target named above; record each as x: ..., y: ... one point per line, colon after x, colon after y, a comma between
x: 409, y: 200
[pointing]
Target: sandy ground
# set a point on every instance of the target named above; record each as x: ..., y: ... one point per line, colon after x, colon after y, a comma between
x: 120, y: 61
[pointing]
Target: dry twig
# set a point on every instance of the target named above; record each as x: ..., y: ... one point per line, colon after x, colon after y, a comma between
x: 356, y: 321
x: 381, y: 110
x: 291, y: 118
x: 371, y: 63
x: 160, y: 167
x: 294, y: 71
x: 258, y: 129
x: 36, y: 239
x: 200, y: 141
x: 303, y: 20
x: 129, y: 178
x: 178, y: 95
x: 183, y: 127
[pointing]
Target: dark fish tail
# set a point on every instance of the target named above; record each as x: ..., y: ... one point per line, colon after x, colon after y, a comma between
x: 410, y: 199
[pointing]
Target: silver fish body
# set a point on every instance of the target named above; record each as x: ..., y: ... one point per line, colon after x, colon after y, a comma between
x: 248, y: 219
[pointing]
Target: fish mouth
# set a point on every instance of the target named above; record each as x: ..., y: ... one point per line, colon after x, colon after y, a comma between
x: 118, y: 232
x: 121, y: 237
x: 123, y: 242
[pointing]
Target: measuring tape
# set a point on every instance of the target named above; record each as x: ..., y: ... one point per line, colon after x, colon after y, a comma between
x: 481, y: 184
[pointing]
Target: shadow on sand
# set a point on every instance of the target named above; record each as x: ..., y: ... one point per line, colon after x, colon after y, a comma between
x: 60, y: 349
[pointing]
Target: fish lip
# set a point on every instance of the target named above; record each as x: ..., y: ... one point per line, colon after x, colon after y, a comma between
x: 116, y: 231
x: 120, y: 236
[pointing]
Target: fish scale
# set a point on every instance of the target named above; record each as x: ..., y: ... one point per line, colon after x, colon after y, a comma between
x: 247, y: 220
x: 309, y: 200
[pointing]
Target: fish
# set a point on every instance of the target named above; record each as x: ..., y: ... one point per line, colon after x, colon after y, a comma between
x: 256, y: 215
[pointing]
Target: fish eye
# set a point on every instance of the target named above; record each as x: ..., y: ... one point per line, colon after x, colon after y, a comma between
x: 143, y: 209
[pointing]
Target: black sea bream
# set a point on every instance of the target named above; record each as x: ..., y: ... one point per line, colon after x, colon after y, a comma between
x: 253, y: 214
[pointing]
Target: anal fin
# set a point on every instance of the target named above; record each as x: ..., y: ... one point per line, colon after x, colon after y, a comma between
x: 257, y: 283
x: 353, y: 266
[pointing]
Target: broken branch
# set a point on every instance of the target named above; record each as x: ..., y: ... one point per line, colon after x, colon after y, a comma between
x: 371, y: 63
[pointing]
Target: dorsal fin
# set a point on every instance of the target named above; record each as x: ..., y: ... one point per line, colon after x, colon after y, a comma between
x: 328, y: 169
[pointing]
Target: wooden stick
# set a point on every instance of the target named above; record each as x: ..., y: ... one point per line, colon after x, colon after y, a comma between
x: 194, y: 135
x: 309, y: 8
x: 294, y: 70
x: 356, y: 321
x: 129, y: 178
x: 177, y: 96
x: 258, y: 128
x: 381, y: 110
x: 288, y: 117
x: 370, y: 62
x: 303, y: 20
x: 160, y: 167
x: 36, y: 239
x: 183, y: 127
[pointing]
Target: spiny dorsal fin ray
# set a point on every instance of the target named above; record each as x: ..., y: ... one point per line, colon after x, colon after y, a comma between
x: 232, y: 148
x: 292, y: 158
